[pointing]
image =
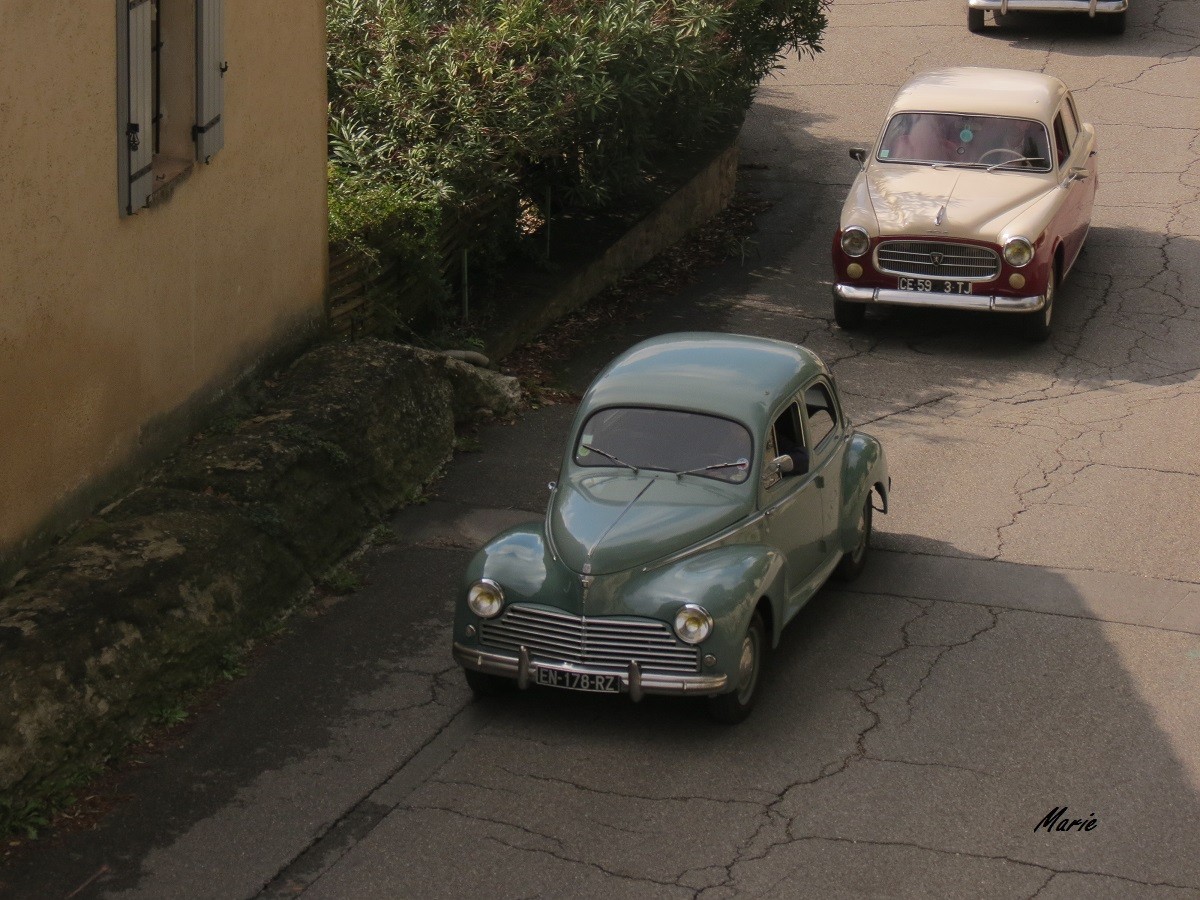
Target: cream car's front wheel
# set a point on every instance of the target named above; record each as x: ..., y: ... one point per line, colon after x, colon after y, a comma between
x: 1037, y: 324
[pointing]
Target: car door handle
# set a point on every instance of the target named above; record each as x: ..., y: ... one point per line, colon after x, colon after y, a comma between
x: 819, y: 481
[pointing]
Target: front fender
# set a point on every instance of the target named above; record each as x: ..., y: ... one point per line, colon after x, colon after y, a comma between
x: 727, y: 581
x: 520, y: 561
x: 865, y: 469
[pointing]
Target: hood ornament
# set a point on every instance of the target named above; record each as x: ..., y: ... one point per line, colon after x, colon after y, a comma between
x: 586, y: 582
x: 941, y: 213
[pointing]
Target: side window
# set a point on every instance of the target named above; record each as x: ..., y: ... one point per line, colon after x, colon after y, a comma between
x: 1063, y: 143
x: 821, y: 412
x: 783, y: 437
x: 170, y: 68
x: 1069, y: 123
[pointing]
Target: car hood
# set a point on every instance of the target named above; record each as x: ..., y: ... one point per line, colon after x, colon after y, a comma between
x: 907, y: 199
x: 605, y: 523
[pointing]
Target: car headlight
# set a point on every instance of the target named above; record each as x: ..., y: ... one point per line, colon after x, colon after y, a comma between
x: 855, y: 241
x: 486, y: 598
x: 1018, y: 252
x: 693, y: 624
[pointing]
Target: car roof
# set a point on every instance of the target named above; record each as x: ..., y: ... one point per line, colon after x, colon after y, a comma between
x: 982, y: 91
x: 736, y: 376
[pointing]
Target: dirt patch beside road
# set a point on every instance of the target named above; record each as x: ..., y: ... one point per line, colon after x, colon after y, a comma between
x: 147, y: 600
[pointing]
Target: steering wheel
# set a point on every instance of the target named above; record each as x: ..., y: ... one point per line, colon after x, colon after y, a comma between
x: 1013, y: 155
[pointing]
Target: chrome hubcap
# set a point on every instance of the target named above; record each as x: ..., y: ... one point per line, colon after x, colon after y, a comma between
x: 747, y: 668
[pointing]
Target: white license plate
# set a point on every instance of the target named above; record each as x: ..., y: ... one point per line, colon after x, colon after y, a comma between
x: 933, y: 285
x: 579, y: 681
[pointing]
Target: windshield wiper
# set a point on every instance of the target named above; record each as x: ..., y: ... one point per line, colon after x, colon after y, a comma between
x: 742, y: 463
x: 607, y: 455
x: 1012, y: 162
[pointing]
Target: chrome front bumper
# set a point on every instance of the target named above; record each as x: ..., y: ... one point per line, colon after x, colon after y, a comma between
x: 1091, y: 8
x: 634, y: 681
x: 981, y: 302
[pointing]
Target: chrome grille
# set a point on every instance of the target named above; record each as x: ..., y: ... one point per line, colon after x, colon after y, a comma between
x: 610, y: 643
x: 938, y: 259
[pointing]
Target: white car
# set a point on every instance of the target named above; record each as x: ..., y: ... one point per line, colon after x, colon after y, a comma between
x: 1110, y: 14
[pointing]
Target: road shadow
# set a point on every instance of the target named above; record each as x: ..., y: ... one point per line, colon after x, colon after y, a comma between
x: 943, y: 707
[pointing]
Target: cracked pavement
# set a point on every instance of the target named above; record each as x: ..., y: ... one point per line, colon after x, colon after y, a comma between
x: 1027, y: 636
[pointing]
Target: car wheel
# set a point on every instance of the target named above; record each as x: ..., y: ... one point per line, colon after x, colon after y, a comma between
x: 849, y: 316
x: 733, y: 707
x: 484, y: 685
x: 1037, y: 325
x: 1113, y: 23
x: 855, y: 561
x: 974, y: 20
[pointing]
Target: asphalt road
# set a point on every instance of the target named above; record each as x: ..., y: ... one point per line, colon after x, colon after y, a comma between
x: 1027, y: 636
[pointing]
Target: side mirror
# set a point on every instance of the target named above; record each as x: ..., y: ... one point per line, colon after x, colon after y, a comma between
x: 858, y: 154
x: 1080, y: 173
x: 788, y: 464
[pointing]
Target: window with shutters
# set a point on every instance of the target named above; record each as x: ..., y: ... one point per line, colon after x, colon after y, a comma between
x: 170, y: 70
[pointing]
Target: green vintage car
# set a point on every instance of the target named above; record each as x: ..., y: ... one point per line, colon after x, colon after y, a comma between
x: 711, y: 484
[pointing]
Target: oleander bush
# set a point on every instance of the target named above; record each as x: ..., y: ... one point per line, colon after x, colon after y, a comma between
x: 436, y: 105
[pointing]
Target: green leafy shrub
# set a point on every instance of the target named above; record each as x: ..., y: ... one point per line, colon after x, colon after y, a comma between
x: 439, y: 106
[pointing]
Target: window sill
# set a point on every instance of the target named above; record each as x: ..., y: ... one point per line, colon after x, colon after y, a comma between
x: 169, y: 173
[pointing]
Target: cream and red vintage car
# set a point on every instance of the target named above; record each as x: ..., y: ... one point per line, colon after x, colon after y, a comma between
x: 977, y: 195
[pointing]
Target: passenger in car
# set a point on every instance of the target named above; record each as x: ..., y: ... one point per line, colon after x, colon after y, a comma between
x: 925, y: 141
x: 998, y: 140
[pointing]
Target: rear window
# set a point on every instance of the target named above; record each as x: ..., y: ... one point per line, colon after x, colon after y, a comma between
x: 666, y: 440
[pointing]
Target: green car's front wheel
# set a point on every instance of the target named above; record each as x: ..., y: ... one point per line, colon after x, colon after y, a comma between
x: 734, y: 706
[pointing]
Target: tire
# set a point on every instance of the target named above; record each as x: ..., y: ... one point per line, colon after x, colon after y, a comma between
x: 734, y: 706
x: 1037, y: 325
x: 484, y: 685
x: 855, y: 561
x: 974, y: 20
x: 849, y: 316
x: 1113, y: 23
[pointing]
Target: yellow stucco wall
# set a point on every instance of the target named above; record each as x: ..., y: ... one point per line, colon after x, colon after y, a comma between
x: 110, y: 326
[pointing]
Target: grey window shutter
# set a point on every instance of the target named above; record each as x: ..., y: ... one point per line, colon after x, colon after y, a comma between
x: 135, y: 103
x: 209, y: 131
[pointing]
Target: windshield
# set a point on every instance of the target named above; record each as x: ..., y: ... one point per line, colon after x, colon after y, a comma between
x: 666, y: 440
x: 988, y: 142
